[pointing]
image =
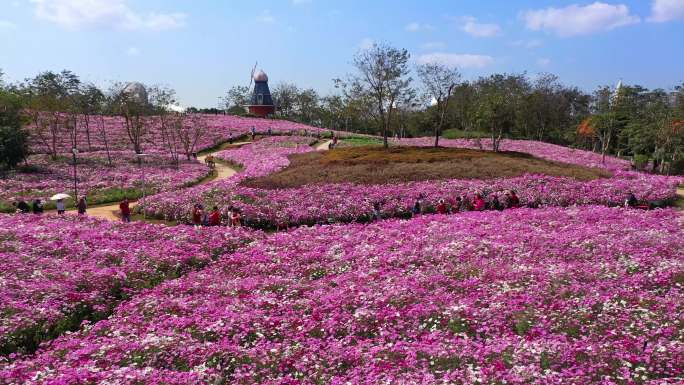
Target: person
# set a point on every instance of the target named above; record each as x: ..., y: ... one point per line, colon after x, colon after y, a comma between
x: 334, y: 141
x: 457, y: 206
x: 235, y: 218
x: 441, y: 207
x: 197, y: 215
x: 125, y: 209
x: 631, y: 200
x: 376, y: 210
x: 82, y: 206
x: 270, y: 132
x: 209, y: 160
x: 253, y: 131
x: 332, y: 134
x: 60, y: 206
x: 495, y: 204
x: 37, y: 206
x: 194, y: 155
x: 23, y: 207
x: 478, y: 203
x: 230, y: 138
x: 416, y: 206
x: 215, y: 217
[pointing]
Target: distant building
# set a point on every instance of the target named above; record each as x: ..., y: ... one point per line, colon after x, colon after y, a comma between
x: 261, y: 103
x: 136, y: 91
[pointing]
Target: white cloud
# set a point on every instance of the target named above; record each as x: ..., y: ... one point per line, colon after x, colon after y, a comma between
x: 433, y: 45
x: 576, y: 20
x: 413, y: 27
x: 366, y: 43
x: 456, y: 60
x: 473, y: 28
x: 534, y: 43
x: 132, y: 51
x: 666, y: 10
x: 416, y: 26
x: 543, y: 62
x: 75, y: 14
x: 266, y: 17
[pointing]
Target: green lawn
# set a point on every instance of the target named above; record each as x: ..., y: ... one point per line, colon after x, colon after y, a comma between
x: 460, y: 134
x: 356, y: 141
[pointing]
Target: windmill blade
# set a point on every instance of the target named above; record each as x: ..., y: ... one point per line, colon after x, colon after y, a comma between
x: 251, y: 76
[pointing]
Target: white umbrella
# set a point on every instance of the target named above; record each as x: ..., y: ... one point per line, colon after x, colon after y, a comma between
x: 59, y: 196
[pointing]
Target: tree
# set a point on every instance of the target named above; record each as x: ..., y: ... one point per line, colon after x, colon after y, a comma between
x: 189, y: 130
x: 51, y: 104
x: 91, y: 101
x: 134, y: 112
x: 439, y: 81
x: 383, y: 73
x: 604, y: 120
x: 13, y: 139
x: 499, y: 100
x: 285, y: 99
x: 236, y: 98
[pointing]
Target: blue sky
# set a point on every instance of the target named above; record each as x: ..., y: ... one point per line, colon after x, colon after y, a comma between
x: 202, y: 47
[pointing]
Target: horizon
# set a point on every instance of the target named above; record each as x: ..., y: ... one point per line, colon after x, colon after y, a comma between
x: 184, y: 46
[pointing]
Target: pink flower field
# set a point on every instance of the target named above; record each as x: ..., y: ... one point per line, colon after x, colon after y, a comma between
x: 94, y: 173
x: 56, y: 271
x: 584, y: 295
x: 348, y: 202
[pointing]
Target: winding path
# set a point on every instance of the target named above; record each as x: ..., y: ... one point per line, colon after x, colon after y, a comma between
x: 110, y: 212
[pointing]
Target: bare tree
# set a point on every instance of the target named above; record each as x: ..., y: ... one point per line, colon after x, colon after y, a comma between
x: 383, y: 73
x: 439, y: 81
x: 189, y: 130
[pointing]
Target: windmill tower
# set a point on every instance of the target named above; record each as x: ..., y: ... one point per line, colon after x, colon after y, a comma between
x: 261, y: 103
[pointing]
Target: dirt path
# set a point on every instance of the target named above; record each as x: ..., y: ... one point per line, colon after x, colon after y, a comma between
x: 324, y: 146
x: 110, y: 212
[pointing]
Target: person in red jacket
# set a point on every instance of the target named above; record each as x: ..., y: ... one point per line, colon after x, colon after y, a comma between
x: 215, y: 217
x: 441, y: 207
x: 478, y: 203
x: 125, y: 208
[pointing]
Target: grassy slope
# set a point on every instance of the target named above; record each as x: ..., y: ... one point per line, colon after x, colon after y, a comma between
x: 375, y: 165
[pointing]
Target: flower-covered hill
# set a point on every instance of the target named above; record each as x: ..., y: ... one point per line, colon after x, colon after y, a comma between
x: 586, y: 295
x: 99, y: 179
x: 56, y: 271
x: 349, y: 202
x: 110, y: 132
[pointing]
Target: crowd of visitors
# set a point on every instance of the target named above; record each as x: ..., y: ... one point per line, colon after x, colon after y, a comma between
x: 458, y: 204
x: 202, y: 217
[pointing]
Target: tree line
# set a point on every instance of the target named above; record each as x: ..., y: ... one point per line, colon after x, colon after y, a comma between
x: 382, y: 97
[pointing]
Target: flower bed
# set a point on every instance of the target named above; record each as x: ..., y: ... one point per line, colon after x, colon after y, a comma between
x: 95, y: 175
x: 345, y: 202
x: 257, y: 159
x: 589, y: 295
x: 57, y: 271
x: 218, y: 129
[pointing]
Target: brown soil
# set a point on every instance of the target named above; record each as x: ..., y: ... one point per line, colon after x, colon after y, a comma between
x: 375, y: 165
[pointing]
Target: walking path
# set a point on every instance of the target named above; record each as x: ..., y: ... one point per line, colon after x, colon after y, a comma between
x: 323, y: 146
x: 110, y: 212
